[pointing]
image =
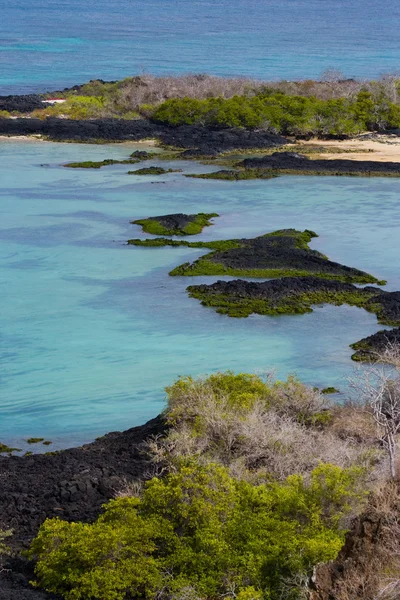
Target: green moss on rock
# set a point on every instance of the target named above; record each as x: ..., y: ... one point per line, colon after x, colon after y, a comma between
x: 6, y: 449
x: 372, y: 348
x: 176, y: 224
x: 153, y: 171
x: 283, y: 253
x: 295, y: 295
x: 91, y: 164
x: 230, y: 175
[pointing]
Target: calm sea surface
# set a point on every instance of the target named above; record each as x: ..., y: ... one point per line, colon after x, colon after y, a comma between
x: 92, y: 330
x: 54, y: 43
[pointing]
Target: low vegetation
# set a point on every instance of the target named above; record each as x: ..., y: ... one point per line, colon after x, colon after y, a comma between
x: 281, y: 113
x: 332, y: 106
x: 4, y: 548
x: 254, y: 483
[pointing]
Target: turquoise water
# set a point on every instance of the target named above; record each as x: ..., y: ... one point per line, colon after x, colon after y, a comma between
x: 55, y: 43
x: 92, y: 330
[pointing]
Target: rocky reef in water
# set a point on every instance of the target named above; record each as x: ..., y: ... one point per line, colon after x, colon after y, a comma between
x: 282, y: 253
x: 371, y: 348
x: 71, y: 484
x: 199, y: 140
x: 176, y: 224
x: 291, y: 162
x: 294, y: 295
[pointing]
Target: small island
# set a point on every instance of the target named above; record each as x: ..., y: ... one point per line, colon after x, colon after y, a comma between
x: 176, y: 224
x: 282, y: 253
x: 294, y: 295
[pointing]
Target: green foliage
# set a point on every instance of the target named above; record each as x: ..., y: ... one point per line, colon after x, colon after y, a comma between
x: 103, y: 560
x: 240, y: 391
x: 4, y: 549
x: 4, y: 114
x: 199, y: 529
x: 34, y: 440
x: 291, y: 115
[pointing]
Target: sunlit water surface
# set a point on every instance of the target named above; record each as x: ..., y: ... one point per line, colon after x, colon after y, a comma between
x: 92, y: 330
x: 54, y: 43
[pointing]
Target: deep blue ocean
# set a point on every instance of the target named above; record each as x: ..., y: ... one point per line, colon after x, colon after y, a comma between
x: 92, y: 330
x: 49, y: 44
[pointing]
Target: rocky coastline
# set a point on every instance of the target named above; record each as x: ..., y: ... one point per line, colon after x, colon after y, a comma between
x: 72, y: 484
x: 200, y: 141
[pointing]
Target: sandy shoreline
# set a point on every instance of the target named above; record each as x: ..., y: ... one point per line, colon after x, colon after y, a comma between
x: 382, y: 149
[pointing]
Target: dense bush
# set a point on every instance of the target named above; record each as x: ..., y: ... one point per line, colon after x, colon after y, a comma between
x: 293, y: 115
x: 200, y: 533
x: 261, y: 429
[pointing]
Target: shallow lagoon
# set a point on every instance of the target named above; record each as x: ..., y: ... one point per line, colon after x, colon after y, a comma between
x: 92, y: 330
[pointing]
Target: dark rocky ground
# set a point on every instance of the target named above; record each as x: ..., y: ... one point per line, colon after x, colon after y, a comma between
x: 199, y: 140
x: 277, y: 290
x: 291, y: 161
x: 369, y: 348
x: 282, y: 252
x: 70, y: 484
x: 26, y: 103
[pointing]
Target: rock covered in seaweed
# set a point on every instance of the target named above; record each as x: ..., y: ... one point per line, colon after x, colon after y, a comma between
x: 371, y: 348
x: 176, y: 224
x: 294, y: 295
x: 283, y: 253
x: 293, y: 162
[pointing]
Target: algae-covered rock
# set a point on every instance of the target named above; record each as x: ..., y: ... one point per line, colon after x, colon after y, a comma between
x: 153, y: 171
x: 371, y: 348
x: 176, y: 224
x: 283, y: 253
x: 295, y: 295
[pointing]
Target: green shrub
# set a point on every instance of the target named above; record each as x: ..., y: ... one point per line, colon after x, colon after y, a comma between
x: 290, y: 115
x: 4, y: 549
x: 199, y: 529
